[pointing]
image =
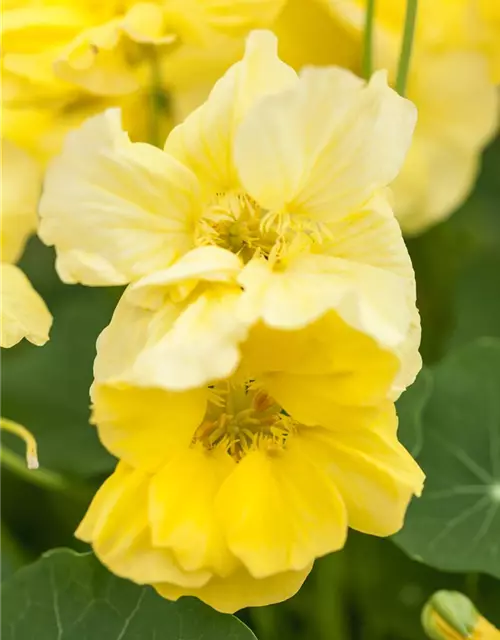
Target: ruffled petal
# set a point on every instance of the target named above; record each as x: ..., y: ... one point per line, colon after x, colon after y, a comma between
x: 368, y: 298
x: 116, y: 526
x: 324, y: 147
x: 181, y: 509
x: 241, y: 589
x: 204, y: 142
x: 115, y: 210
x: 280, y: 511
x: 372, y: 471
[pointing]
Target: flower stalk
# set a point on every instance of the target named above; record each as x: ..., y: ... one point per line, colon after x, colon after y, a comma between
x: 407, y: 46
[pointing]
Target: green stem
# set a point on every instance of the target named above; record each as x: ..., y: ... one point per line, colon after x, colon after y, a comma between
x: 367, y: 61
x: 407, y: 45
x: 43, y: 477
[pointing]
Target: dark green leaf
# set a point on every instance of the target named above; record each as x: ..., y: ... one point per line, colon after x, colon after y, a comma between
x: 410, y: 407
x: 70, y: 596
x: 455, y: 525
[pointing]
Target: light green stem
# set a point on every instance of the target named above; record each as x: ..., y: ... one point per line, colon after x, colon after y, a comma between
x: 367, y: 61
x: 406, y: 47
x: 23, y: 433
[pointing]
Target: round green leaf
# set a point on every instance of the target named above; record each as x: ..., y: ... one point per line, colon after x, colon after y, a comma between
x: 410, y: 407
x: 70, y: 596
x: 455, y: 525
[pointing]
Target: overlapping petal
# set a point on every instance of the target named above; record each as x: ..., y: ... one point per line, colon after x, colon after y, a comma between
x: 116, y: 210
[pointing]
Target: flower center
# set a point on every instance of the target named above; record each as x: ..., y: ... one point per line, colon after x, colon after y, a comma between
x: 233, y: 220
x: 242, y: 418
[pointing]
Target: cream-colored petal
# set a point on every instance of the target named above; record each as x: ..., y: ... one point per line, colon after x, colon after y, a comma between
x: 280, y: 511
x: 240, y: 590
x: 146, y: 427
x: 324, y: 147
x: 176, y: 346
x: 373, y: 472
x: 114, y: 210
x: 131, y: 329
x: 204, y: 142
x: 21, y: 186
x: 202, y: 344
x: 23, y: 313
x: 116, y: 526
x: 368, y: 298
x: 203, y: 264
x: 181, y: 509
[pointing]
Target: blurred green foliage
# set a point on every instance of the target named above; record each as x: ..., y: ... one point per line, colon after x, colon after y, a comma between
x: 369, y: 591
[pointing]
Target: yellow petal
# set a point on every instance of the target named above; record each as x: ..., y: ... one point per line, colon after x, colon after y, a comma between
x: 370, y: 299
x: 130, y: 330
x: 181, y: 509
x: 372, y: 471
x: 204, y: 141
x: 116, y: 526
x: 327, y: 346
x: 115, y: 210
x: 146, y: 427
x: 24, y: 314
x: 334, y: 141
x: 280, y: 511
x: 240, y: 590
x: 200, y: 346
x: 203, y: 264
x: 21, y: 186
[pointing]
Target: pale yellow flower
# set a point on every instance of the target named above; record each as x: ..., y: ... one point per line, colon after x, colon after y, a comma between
x: 450, y: 84
x: 233, y: 499
x: 23, y: 314
x: 283, y: 177
x: 100, y: 46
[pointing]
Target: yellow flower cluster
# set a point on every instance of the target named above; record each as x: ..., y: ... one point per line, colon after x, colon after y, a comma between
x: 247, y: 378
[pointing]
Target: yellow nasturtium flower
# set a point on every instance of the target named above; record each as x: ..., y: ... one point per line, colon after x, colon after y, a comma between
x: 234, y: 498
x: 23, y: 313
x: 451, y: 86
x: 285, y: 174
x: 269, y: 322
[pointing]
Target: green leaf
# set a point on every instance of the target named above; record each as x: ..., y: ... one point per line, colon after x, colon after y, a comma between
x: 70, y: 596
x: 455, y: 525
x: 46, y: 388
x: 410, y: 407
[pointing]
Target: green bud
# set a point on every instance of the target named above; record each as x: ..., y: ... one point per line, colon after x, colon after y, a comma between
x: 455, y: 609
